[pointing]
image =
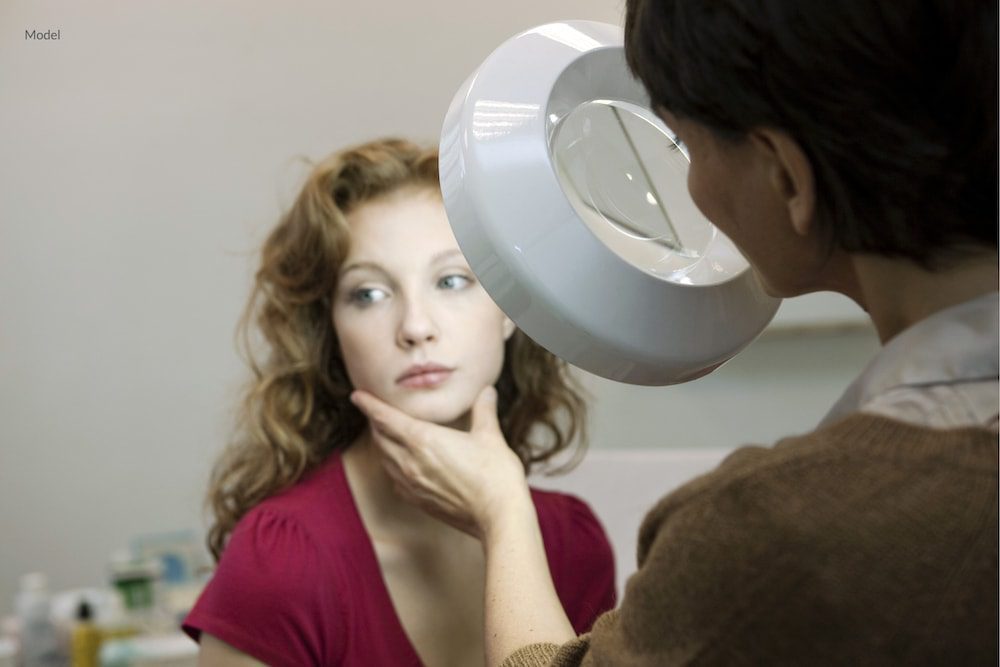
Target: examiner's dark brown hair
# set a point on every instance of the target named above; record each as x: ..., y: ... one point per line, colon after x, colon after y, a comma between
x: 297, y: 408
x: 895, y: 103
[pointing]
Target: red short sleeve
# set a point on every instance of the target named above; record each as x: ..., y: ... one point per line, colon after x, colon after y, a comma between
x: 264, y: 598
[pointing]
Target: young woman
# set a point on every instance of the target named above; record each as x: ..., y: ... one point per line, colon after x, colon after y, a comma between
x: 847, y: 146
x: 362, y: 286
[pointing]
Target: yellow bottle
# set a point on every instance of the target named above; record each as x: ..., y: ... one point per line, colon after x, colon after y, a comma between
x: 85, y: 644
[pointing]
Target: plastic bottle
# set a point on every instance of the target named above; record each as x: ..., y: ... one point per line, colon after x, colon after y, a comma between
x: 39, y: 642
x: 85, y: 642
x: 8, y: 652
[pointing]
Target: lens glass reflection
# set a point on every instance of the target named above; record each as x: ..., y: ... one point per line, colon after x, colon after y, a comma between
x: 625, y: 173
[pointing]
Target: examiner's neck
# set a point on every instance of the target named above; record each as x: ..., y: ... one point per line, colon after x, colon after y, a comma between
x: 899, y: 293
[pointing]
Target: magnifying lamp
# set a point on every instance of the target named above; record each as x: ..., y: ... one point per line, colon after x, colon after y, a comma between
x: 568, y: 197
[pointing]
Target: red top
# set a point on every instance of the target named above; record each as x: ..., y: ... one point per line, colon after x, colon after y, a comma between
x: 299, y: 582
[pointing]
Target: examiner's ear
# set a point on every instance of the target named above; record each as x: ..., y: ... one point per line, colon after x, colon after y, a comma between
x: 791, y: 176
x: 508, y: 328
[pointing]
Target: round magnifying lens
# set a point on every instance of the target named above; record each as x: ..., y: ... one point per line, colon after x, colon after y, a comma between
x: 568, y: 197
x: 625, y: 174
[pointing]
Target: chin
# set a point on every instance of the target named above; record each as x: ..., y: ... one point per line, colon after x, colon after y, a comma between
x: 435, y: 407
x: 775, y: 289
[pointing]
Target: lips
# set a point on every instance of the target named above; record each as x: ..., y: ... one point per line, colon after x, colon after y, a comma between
x: 423, y: 376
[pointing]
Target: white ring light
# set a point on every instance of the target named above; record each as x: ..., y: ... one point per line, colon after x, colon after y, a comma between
x: 568, y: 198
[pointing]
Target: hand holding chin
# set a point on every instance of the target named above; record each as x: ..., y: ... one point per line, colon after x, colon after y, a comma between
x: 466, y: 479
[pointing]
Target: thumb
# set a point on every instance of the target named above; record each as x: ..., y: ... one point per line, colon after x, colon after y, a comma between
x: 484, y: 411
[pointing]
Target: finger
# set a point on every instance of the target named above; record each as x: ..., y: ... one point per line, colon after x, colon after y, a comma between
x: 395, y: 460
x: 402, y: 485
x: 387, y: 420
x: 399, y: 466
x: 484, y: 412
x: 395, y: 455
x: 386, y: 446
x: 392, y: 466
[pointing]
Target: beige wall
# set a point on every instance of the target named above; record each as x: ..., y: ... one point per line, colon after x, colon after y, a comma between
x: 142, y: 156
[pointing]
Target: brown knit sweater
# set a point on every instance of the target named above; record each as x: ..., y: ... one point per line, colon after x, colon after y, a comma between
x: 869, y: 542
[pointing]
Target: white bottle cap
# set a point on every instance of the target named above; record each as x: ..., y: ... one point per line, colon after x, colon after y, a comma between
x: 34, y: 582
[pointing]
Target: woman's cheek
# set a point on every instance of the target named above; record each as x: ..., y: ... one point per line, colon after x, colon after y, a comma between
x: 355, y: 357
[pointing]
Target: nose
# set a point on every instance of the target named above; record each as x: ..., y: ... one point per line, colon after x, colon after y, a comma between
x: 417, y: 326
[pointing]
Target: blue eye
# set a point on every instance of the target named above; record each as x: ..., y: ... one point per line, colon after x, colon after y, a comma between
x: 454, y: 281
x: 367, y: 295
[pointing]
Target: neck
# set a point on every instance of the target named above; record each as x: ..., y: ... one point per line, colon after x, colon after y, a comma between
x: 899, y: 293
x: 387, y: 515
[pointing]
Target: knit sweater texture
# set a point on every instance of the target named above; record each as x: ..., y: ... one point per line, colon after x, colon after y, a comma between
x: 867, y: 542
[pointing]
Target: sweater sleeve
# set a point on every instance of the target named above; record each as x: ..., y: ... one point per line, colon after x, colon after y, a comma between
x: 570, y: 654
x: 678, y: 602
x: 272, y: 595
x: 869, y: 542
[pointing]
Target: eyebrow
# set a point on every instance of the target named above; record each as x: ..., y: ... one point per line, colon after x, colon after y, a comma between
x: 446, y: 254
x: 357, y: 266
x: 374, y: 266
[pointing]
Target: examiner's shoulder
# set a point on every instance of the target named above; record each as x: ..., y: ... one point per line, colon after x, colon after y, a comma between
x: 793, y: 458
x: 869, y: 529
x: 839, y: 451
x: 865, y: 467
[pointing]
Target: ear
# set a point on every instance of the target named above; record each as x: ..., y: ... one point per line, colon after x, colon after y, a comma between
x: 790, y: 175
x: 508, y: 328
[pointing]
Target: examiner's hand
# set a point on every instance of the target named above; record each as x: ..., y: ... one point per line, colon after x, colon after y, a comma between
x: 469, y: 480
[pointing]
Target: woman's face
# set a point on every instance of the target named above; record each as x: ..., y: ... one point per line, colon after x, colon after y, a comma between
x: 415, y: 327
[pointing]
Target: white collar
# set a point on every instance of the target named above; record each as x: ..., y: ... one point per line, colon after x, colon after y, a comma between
x: 956, y: 345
